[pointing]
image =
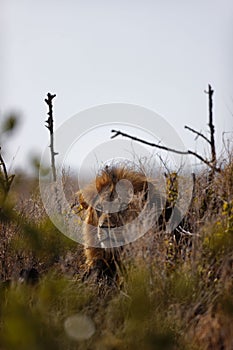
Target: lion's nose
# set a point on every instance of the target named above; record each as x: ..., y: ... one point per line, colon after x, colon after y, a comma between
x: 106, y: 227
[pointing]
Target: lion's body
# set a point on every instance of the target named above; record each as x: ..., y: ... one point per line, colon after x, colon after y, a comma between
x: 111, y: 205
x: 113, y: 200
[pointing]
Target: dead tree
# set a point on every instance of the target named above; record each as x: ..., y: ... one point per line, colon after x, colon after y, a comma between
x: 50, y: 126
x: 211, y: 125
x: 211, y: 140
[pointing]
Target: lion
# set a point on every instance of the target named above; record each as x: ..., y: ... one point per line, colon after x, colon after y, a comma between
x: 119, y: 206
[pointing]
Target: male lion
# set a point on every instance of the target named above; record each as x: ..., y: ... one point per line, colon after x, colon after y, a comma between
x: 113, y: 209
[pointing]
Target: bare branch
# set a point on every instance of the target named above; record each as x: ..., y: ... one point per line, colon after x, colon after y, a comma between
x: 198, y: 133
x: 134, y: 138
x: 118, y: 132
x: 50, y: 122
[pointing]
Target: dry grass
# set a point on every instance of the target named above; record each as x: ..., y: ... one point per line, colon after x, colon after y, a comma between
x: 175, y: 293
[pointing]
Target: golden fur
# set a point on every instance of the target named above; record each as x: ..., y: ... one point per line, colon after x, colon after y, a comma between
x: 128, y: 201
x: 113, y: 202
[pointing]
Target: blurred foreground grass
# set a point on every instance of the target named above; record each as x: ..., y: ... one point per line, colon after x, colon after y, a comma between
x: 186, y: 305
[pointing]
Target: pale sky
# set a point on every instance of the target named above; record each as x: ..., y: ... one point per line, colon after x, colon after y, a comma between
x: 157, y: 54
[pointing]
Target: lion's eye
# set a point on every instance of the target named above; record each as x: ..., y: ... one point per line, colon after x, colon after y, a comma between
x: 99, y: 207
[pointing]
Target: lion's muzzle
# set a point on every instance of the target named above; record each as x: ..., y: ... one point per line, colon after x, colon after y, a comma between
x: 106, y: 236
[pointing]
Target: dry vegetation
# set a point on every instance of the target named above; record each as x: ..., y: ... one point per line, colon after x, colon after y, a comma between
x: 174, y: 293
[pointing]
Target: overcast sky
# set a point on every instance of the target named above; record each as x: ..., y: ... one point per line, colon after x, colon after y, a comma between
x: 156, y: 54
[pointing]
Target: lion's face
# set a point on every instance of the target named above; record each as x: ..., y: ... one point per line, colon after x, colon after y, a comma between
x: 113, y: 210
x: 114, y: 200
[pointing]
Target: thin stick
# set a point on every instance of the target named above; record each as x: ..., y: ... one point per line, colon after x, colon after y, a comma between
x: 210, y: 93
x: 198, y: 133
x: 50, y: 122
x: 118, y: 132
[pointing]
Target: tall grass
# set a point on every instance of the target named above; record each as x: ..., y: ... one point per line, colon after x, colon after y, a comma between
x: 174, y: 294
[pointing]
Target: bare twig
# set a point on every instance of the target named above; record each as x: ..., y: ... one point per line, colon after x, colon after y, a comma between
x: 198, y: 133
x: 50, y: 122
x: 134, y: 138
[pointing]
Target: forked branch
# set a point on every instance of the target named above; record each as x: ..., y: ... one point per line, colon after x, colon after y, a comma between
x: 211, y: 141
x: 198, y: 133
x: 134, y: 138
